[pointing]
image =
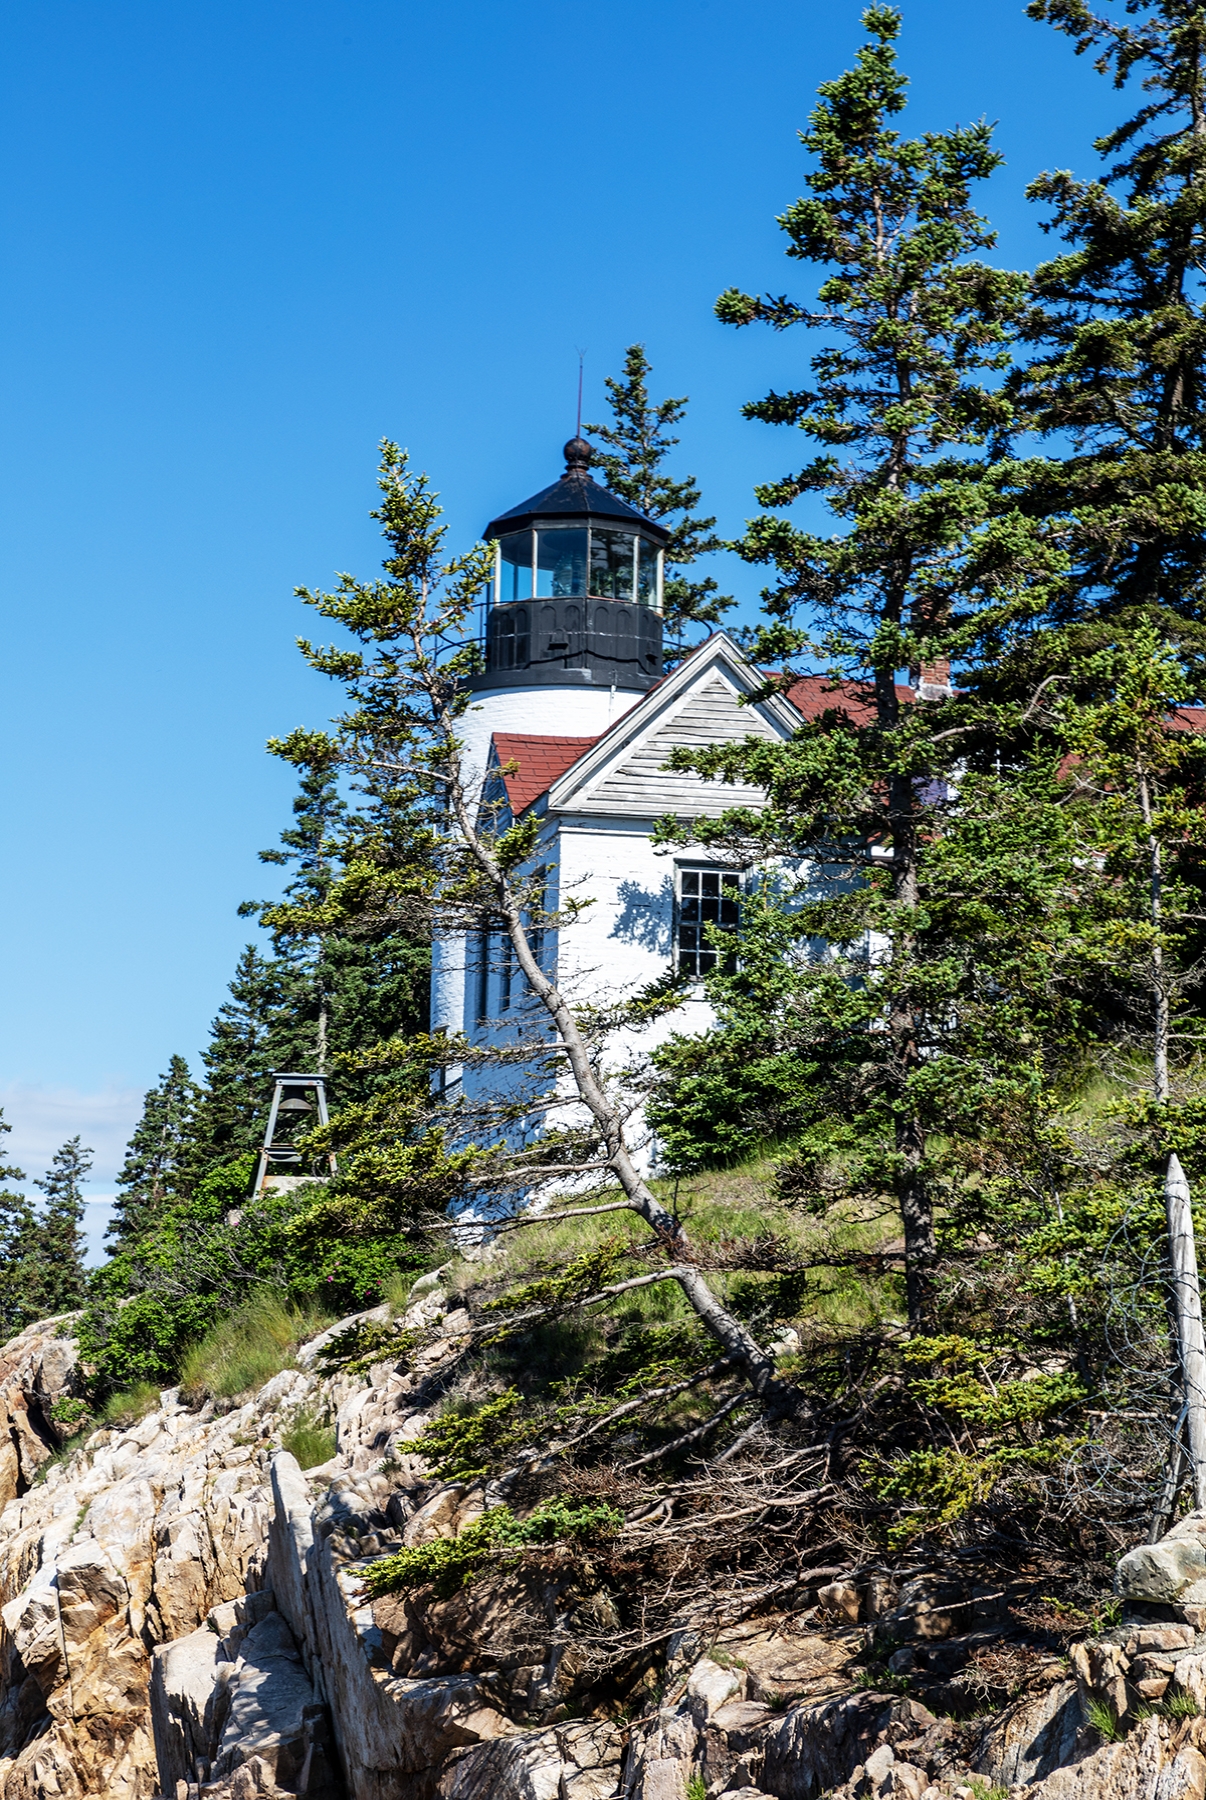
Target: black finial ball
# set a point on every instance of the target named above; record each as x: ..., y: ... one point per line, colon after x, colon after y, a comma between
x: 578, y: 454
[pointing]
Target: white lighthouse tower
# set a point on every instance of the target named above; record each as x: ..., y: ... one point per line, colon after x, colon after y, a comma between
x: 574, y: 631
x: 573, y: 639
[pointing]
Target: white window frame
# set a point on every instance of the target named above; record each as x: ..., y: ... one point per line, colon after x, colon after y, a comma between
x: 729, y: 877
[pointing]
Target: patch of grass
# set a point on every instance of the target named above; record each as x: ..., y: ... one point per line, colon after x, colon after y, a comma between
x: 61, y: 1455
x: 983, y: 1791
x: 244, y: 1351
x: 133, y: 1403
x: 310, y: 1439
x: 1104, y: 1720
x: 697, y: 1788
x: 1180, y: 1706
x: 882, y: 1681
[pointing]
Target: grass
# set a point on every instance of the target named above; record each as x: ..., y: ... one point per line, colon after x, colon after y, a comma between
x: 310, y: 1439
x: 1104, y: 1720
x: 132, y: 1404
x: 244, y: 1351
x: 558, y: 1361
x: 715, y: 1206
x: 53, y: 1461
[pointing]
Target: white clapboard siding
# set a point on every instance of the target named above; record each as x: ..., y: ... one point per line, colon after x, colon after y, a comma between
x: 638, y: 786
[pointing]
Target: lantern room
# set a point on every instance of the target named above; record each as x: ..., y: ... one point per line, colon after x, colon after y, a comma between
x: 577, y: 590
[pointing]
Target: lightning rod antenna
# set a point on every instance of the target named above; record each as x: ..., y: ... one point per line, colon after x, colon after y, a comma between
x: 578, y: 427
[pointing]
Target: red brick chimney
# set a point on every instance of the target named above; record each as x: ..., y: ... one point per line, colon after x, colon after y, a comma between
x: 933, y: 680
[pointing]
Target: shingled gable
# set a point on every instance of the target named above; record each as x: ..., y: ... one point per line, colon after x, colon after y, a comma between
x: 623, y: 773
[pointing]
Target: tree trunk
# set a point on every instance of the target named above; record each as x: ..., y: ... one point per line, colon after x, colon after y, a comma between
x: 912, y: 1191
x: 727, y: 1330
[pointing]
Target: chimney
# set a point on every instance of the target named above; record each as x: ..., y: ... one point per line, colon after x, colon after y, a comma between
x: 933, y: 680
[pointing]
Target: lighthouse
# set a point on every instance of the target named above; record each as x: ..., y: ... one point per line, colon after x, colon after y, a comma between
x: 573, y: 639
x: 574, y: 621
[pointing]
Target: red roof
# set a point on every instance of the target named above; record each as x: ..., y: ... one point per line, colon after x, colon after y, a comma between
x: 538, y: 762
x: 816, y: 694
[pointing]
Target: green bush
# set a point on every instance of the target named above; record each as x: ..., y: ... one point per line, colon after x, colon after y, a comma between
x: 348, y: 1276
x: 466, y: 1445
x: 226, y: 1187
x: 144, y: 1339
x: 450, y: 1563
x: 245, y: 1350
x: 70, y: 1412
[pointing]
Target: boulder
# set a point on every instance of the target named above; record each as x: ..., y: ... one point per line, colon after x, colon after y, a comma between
x: 1037, y: 1734
x: 1145, y: 1765
x: 1164, y: 1571
x: 182, y: 1680
x: 271, y: 1705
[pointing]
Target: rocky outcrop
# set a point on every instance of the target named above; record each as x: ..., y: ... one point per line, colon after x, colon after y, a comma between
x: 183, y: 1612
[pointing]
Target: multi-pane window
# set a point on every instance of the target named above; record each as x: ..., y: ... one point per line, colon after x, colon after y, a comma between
x: 705, y: 897
x: 568, y: 562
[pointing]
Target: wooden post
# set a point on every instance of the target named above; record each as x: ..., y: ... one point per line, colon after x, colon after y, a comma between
x: 1187, y: 1298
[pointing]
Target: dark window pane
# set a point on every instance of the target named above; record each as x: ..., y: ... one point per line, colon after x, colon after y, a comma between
x: 561, y: 563
x: 646, y: 572
x: 705, y: 897
x: 516, y: 578
x: 611, y: 563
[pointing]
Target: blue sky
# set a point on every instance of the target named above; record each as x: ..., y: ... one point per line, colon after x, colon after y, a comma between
x: 242, y: 242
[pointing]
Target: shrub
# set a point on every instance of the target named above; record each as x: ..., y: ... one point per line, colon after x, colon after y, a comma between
x: 248, y: 1348
x: 70, y: 1412
x: 144, y: 1339
x: 450, y: 1563
x: 464, y: 1446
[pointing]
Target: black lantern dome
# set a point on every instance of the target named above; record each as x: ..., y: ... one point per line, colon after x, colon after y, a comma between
x: 577, y: 593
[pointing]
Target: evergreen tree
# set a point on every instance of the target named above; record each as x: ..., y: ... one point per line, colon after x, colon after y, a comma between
x: 310, y: 846
x: 18, y: 1242
x: 637, y: 444
x: 156, y: 1170
x: 262, y: 1026
x: 1120, y: 333
x: 927, y: 570
x: 57, y: 1282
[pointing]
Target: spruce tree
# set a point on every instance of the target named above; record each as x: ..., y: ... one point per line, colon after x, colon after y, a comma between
x: 18, y: 1244
x: 637, y: 443
x: 310, y: 846
x: 1119, y: 329
x: 157, y: 1169
x: 925, y: 570
x: 57, y: 1282
x: 261, y: 1027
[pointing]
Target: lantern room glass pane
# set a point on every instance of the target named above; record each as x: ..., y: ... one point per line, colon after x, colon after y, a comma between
x: 561, y: 563
x: 515, y: 580
x: 646, y: 572
x: 611, y: 557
